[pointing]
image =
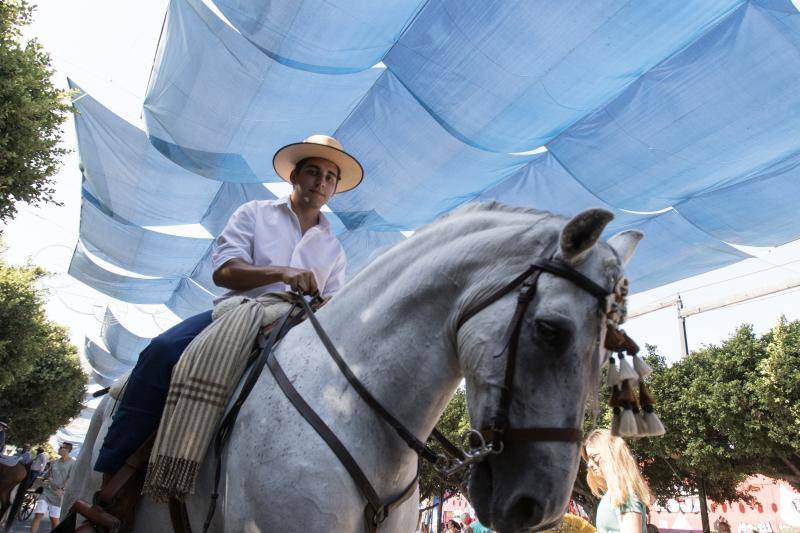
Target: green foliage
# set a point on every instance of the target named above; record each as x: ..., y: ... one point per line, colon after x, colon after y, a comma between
x: 453, y: 424
x: 731, y: 411
x: 41, y: 380
x: 31, y: 113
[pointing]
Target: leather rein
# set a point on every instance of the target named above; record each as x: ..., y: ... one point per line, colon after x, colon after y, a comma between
x: 484, y: 442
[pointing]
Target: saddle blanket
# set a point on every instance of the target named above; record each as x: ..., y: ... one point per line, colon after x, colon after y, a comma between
x: 202, y: 382
x: 8, y: 460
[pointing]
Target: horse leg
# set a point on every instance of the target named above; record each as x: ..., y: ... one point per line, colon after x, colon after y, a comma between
x: 5, y: 503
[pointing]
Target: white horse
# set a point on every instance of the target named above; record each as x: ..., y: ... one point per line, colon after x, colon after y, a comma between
x: 395, y: 325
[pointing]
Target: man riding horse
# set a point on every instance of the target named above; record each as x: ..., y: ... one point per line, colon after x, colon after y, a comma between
x: 267, y: 246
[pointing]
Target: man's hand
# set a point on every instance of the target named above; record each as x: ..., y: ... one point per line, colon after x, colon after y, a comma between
x: 302, y: 281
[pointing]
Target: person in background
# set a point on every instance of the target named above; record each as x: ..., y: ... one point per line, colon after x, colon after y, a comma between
x: 50, y: 501
x: 452, y: 527
x: 25, y: 455
x: 612, y: 474
x: 37, y: 466
x: 477, y: 527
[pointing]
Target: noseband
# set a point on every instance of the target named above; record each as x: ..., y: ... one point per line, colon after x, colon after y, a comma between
x: 500, y: 432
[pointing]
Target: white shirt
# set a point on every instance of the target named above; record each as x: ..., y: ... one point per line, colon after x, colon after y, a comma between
x: 267, y: 232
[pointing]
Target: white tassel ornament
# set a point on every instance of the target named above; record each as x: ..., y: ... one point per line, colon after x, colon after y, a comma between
x: 615, y: 421
x: 641, y: 368
x: 627, y: 424
x: 626, y: 371
x: 653, y: 424
x: 613, y: 374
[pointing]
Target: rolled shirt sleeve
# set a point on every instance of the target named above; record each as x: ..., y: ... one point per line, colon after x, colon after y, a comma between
x: 337, y: 277
x: 236, y: 240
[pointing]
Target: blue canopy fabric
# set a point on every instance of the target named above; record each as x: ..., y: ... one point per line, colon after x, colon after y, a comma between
x: 509, y: 76
x: 761, y: 210
x: 327, y: 36
x: 103, y: 362
x: 415, y: 170
x: 220, y: 108
x: 137, y: 249
x: 682, y: 118
x: 101, y: 380
x: 119, y: 286
x: 189, y: 299
x: 130, y: 177
x: 123, y: 343
x: 720, y: 109
x: 229, y: 197
x: 673, y: 247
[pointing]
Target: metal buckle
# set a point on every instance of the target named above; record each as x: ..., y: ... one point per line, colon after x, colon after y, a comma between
x: 379, y: 516
x: 476, y: 453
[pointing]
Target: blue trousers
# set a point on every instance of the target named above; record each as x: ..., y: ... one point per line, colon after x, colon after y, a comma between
x: 139, y: 411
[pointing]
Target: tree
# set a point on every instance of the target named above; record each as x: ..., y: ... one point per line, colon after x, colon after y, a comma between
x: 731, y: 411
x: 41, y: 380
x: 31, y: 113
x: 453, y: 424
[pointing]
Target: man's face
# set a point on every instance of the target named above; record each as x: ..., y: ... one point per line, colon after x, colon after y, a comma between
x: 315, y: 182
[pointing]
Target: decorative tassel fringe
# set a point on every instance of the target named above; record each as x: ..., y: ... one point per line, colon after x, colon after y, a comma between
x: 645, y: 399
x: 626, y: 371
x: 626, y: 396
x: 615, y: 421
x: 641, y: 368
x: 627, y: 423
x: 170, y: 477
x: 613, y: 374
x: 653, y: 424
x: 641, y: 424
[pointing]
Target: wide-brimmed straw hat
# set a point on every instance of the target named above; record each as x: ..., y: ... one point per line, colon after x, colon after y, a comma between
x: 350, y: 170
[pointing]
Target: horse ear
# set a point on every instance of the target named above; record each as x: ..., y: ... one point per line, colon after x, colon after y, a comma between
x: 625, y: 243
x: 582, y: 232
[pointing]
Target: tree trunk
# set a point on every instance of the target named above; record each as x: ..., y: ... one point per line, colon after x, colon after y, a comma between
x: 701, y: 492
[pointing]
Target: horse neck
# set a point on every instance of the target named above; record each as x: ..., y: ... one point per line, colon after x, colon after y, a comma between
x: 398, y: 346
x: 400, y: 314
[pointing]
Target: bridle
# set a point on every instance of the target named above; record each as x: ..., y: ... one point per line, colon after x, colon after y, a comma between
x: 483, y: 442
x: 493, y: 438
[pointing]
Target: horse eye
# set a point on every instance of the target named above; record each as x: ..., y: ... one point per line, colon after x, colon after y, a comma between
x: 547, y: 331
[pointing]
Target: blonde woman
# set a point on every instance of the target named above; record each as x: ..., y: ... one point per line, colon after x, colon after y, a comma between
x: 614, y: 475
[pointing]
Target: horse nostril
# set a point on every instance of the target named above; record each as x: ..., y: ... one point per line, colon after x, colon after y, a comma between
x: 524, y: 512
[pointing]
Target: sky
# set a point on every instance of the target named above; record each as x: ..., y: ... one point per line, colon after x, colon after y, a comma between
x: 107, y: 48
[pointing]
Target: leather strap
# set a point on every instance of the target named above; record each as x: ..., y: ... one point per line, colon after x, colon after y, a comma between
x: 179, y: 516
x: 226, y: 426
x: 449, y: 447
x: 133, y: 464
x: 563, y: 270
x: 413, y: 442
x: 540, y: 435
x: 376, y: 511
x: 510, y: 286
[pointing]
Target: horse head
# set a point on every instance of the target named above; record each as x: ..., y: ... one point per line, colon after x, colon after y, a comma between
x: 557, y: 338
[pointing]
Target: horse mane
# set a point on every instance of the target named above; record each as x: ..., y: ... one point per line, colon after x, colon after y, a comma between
x: 491, y: 206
